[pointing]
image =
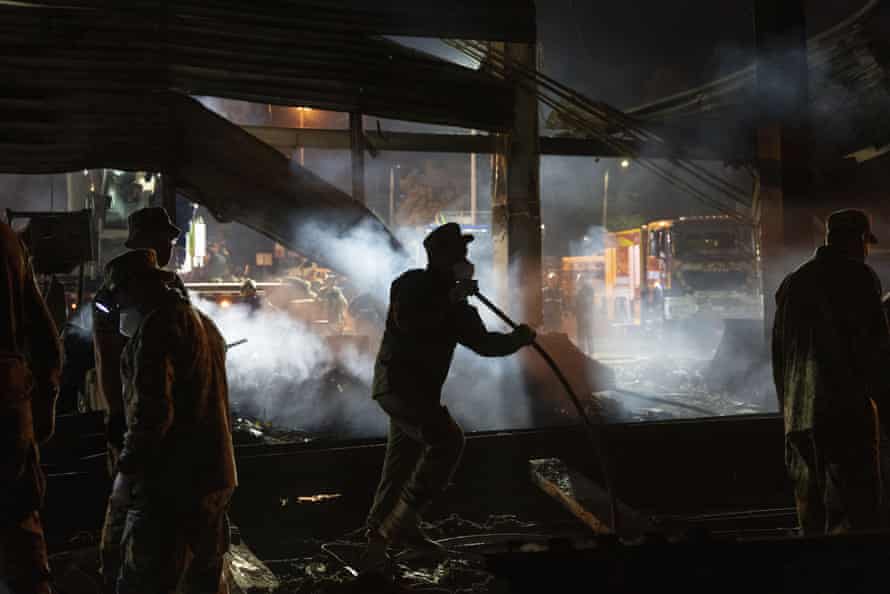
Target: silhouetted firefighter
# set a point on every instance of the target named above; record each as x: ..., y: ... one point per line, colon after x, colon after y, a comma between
x: 831, y: 345
x: 428, y: 316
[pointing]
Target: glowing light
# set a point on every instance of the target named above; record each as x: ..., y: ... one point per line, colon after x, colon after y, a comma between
x: 102, y: 307
x: 225, y: 303
x: 73, y: 306
x: 85, y: 172
x: 625, y: 163
x: 317, y: 498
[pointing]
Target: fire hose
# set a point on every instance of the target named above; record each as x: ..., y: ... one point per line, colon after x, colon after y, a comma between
x: 594, y: 434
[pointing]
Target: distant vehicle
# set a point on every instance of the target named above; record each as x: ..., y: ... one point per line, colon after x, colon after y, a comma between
x: 706, y: 267
x: 689, y: 268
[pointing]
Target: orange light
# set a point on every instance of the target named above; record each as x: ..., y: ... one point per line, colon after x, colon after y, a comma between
x: 73, y: 306
x: 225, y: 303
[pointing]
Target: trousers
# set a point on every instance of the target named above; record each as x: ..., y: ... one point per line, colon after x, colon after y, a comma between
x: 423, y: 450
x: 175, y: 545
x: 837, y: 481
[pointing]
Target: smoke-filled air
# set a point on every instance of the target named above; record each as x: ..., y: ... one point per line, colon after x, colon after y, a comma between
x: 292, y: 376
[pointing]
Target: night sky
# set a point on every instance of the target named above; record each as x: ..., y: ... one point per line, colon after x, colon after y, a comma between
x: 633, y: 51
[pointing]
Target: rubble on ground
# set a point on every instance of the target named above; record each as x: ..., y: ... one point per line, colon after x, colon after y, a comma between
x: 316, y: 572
x: 672, y: 388
x: 250, y: 430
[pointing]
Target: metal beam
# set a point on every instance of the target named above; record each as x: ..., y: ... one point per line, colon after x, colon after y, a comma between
x: 585, y: 499
x: 783, y: 152
x: 290, y: 139
x: 357, y: 149
x: 516, y: 203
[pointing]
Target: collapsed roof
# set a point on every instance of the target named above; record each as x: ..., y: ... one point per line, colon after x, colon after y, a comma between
x: 97, y: 84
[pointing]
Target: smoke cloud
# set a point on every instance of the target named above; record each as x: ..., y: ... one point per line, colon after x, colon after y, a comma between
x: 292, y: 376
x: 288, y: 375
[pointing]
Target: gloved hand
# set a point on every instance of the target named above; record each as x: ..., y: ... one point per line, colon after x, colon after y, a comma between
x: 462, y: 290
x: 524, y: 335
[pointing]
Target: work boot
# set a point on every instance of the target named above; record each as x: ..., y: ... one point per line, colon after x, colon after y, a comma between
x: 402, y: 528
x: 375, y: 559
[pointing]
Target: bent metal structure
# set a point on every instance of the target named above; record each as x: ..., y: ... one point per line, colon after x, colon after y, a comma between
x: 107, y: 85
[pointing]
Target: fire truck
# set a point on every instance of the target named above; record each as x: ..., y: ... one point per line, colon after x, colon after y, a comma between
x: 676, y: 270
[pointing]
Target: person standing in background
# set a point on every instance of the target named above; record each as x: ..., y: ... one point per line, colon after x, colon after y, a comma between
x: 584, y: 308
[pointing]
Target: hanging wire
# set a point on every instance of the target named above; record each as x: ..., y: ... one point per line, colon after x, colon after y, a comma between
x: 614, y: 117
x: 608, y: 125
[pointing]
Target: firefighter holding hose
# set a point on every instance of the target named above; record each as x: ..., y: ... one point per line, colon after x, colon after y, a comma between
x: 428, y: 316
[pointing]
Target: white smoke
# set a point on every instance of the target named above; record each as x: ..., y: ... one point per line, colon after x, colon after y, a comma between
x: 483, y: 393
x: 290, y: 376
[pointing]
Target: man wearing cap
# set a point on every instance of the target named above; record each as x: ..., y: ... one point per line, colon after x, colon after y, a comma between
x: 30, y: 366
x: 830, y: 349
x: 428, y: 316
x: 149, y: 228
x: 176, y: 472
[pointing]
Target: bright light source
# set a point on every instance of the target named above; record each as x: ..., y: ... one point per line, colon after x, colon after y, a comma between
x: 625, y: 163
x: 102, y: 307
x: 225, y: 303
x: 85, y: 172
x: 586, y: 238
x: 73, y: 306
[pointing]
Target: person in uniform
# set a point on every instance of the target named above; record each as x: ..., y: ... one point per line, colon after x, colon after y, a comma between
x: 584, y: 306
x: 552, y: 303
x: 30, y: 369
x: 176, y: 472
x: 335, y: 304
x: 149, y: 228
x: 830, y: 348
x: 428, y: 317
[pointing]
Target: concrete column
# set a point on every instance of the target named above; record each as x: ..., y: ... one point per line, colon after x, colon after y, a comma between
x: 516, y: 203
x: 357, y: 146
x: 782, y: 143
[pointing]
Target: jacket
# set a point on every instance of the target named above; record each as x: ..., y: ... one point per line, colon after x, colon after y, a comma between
x: 176, y: 402
x: 423, y: 327
x: 30, y: 367
x: 830, y: 344
x: 108, y: 346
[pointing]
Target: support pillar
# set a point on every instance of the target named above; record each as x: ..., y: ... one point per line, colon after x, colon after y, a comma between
x: 357, y: 146
x: 783, y: 135
x: 516, y: 203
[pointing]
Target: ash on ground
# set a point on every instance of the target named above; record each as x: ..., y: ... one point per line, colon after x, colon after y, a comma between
x: 317, y: 572
x: 250, y: 430
x: 674, y: 388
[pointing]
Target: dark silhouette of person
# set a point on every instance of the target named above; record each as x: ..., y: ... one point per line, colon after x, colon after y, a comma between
x: 584, y: 307
x: 428, y: 317
x: 830, y: 349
